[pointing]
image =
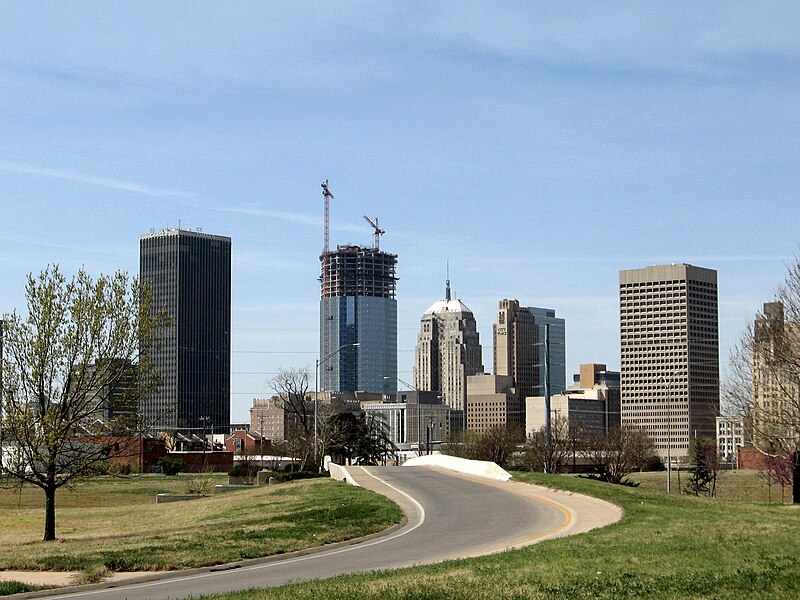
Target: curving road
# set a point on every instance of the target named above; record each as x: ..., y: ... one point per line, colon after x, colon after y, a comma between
x: 448, y: 516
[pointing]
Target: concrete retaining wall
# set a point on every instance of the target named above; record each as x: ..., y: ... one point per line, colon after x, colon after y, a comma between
x: 481, y: 468
x: 340, y: 473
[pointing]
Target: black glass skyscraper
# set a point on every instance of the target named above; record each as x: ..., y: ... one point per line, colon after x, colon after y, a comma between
x: 189, y: 274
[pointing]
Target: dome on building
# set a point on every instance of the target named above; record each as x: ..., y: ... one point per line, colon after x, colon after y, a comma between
x: 452, y: 306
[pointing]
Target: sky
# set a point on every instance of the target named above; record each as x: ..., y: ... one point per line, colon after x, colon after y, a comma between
x: 538, y: 147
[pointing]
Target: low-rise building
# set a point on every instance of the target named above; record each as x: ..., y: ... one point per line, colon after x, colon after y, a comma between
x: 730, y: 437
x: 591, y: 405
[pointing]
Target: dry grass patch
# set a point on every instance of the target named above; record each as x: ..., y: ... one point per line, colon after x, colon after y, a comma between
x: 212, y: 530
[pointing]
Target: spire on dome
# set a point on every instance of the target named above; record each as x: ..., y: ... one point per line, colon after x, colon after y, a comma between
x: 447, y: 285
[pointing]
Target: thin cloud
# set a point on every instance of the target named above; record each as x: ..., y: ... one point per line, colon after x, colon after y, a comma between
x: 115, y: 184
x: 301, y: 218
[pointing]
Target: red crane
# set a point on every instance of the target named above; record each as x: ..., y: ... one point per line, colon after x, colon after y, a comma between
x: 378, y: 231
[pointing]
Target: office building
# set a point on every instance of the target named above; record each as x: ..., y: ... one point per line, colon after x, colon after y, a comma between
x: 590, y: 406
x: 515, y: 347
x: 730, y: 437
x: 448, y: 350
x: 358, y: 320
x: 546, y: 318
x: 415, y: 419
x: 520, y: 350
x: 669, y: 344
x: 492, y: 402
x: 775, y: 412
x: 189, y: 274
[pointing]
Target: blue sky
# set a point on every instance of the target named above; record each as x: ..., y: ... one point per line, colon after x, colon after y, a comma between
x: 538, y: 147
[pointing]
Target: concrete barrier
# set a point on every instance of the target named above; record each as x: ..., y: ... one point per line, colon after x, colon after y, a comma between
x: 162, y: 498
x: 220, y: 488
x: 340, y: 473
x: 481, y: 468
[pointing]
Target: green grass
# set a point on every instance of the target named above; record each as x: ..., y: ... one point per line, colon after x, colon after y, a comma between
x: 116, y: 524
x: 16, y: 587
x: 665, y: 547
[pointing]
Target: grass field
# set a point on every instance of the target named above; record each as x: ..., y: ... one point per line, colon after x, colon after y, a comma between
x: 665, y: 547
x: 732, y: 485
x: 115, y: 523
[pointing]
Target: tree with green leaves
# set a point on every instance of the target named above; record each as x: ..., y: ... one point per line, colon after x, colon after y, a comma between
x: 73, y: 371
x: 705, y: 467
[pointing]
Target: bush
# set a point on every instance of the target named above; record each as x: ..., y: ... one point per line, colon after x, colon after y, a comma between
x: 170, y: 465
x: 244, y: 470
x: 122, y: 469
x: 292, y: 475
x: 15, y: 587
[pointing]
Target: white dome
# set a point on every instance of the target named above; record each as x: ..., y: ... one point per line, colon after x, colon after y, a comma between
x: 450, y: 306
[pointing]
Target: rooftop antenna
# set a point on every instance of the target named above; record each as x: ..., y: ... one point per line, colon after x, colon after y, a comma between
x: 447, y: 286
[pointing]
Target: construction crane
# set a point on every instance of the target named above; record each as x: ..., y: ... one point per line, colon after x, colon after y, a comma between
x: 378, y: 231
x: 327, y: 196
x: 324, y: 280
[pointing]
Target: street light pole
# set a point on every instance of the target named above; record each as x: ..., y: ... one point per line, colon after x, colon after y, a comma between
x: 668, y: 383
x: 419, y: 414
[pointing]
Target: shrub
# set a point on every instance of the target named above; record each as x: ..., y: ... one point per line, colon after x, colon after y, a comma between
x: 244, y: 470
x: 170, y: 465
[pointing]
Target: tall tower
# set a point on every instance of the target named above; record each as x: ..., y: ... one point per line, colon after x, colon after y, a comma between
x: 358, y: 306
x: 669, y: 344
x: 189, y: 274
x: 448, y: 350
x: 558, y: 350
x: 515, y: 346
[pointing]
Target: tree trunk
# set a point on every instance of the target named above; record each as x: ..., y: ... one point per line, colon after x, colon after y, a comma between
x: 796, y: 478
x: 50, y: 514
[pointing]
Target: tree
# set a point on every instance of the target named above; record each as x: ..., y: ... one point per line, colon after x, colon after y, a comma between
x: 622, y: 451
x: 776, y: 469
x: 549, y: 453
x: 705, y: 467
x: 291, y: 387
x: 764, y: 385
x: 360, y: 438
x: 60, y: 377
x: 497, y: 444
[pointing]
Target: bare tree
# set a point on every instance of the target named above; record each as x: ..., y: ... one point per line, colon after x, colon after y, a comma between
x: 764, y: 385
x: 291, y: 387
x: 622, y: 451
x: 549, y: 452
x: 776, y: 469
x: 497, y: 444
x: 80, y: 342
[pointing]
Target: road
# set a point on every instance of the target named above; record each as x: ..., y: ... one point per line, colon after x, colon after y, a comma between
x: 449, y: 516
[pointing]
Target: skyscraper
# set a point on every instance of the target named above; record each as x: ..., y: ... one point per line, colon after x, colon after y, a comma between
x: 557, y: 348
x: 189, y: 274
x: 448, y: 350
x: 359, y: 310
x: 515, y: 347
x: 669, y: 344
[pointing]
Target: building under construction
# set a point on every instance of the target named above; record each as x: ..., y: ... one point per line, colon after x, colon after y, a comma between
x: 358, y: 319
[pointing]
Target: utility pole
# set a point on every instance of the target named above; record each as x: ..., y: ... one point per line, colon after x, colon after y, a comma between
x: 547, y: 424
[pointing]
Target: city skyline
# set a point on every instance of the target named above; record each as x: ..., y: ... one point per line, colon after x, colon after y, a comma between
x: 539, y: 149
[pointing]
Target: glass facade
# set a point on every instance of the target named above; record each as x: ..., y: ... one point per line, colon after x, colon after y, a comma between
x: 558, y: 349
